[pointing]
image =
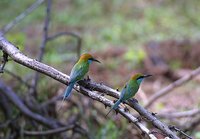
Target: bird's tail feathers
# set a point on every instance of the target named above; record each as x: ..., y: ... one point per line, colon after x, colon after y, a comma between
x: 115, y: 106
x: 67, y: 93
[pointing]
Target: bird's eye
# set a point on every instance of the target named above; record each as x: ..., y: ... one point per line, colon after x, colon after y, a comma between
x: 140, y: 77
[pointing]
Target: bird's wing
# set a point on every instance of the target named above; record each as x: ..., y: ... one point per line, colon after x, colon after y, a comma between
x: 123, y: 92
x: 127, y: 92
x: 78, y: 72
x: 131, y: 90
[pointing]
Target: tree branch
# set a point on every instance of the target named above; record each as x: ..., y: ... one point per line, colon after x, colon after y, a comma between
x: 51, y: 131
x: 192, y: 124
x: 20, y: 58
x: 183, y: 114
x: 8, y: 92
x: 107, y: 102
x: 4, y: 61
x: 180, y: 131
x: 10, y: 25
x: 75, y: 35
x: 172, y: 86
x: 33, y: 90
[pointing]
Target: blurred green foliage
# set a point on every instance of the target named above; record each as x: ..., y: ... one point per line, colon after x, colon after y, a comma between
x: 134, y: 56
x: 121, y: 23
x: 17, y: 38
x: 197, y: 135
x: 109, y: 131
x: 176, y: 64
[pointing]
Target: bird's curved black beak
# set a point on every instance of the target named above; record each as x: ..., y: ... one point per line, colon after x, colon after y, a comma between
x: 148, y: 75
x: 95, y: 60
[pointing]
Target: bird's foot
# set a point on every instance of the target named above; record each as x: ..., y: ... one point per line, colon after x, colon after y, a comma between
x: 116, y: 112
x: 154, y: 113
x: 88, y: 78
x: 134, y: 100
x: 139, y: 118
x: 126, y: 109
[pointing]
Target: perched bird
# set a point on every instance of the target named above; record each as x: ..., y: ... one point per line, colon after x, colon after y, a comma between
x: 78, y: 72
x: 129, y: 90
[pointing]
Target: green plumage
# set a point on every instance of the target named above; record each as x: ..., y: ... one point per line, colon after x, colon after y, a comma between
x: 78, y: 72
x: 129, y: 90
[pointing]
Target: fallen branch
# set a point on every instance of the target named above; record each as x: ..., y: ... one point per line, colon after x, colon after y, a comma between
x: 172, y: 86
x: 48, y: 132
x: 7, y: 91
x: 171, y: 115
x: 52, y: 131
x: 20, y: 58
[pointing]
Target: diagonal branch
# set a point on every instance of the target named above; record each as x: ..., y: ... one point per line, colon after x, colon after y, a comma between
x: 20, y: 58
x: 172, y: 86
x: 107, y: 102
x: 10, y: 25
x: 181, y: 132
x: 142, y: 111
x: 183, y: 114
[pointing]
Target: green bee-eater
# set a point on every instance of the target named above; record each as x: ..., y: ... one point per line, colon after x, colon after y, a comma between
x: 78, y: 72
x: 129, y: 90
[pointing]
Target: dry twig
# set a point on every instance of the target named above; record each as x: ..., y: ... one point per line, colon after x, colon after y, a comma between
x: 55, y: 131
x: 8, y: 92
x: 183, y: 114
x: 75, y: 35
x: 4, y: 61
x: 172, y: 86
x: 33, y: 90
x: 180, y: 131
x: 10, y: 25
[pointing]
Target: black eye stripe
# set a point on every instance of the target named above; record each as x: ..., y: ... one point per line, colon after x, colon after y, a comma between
x: 140, y: 77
